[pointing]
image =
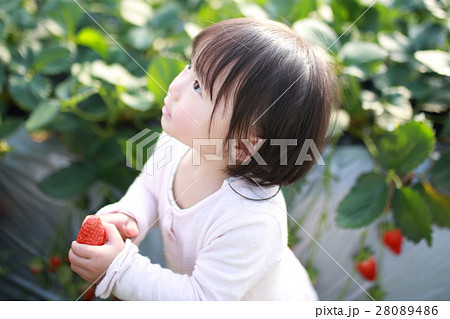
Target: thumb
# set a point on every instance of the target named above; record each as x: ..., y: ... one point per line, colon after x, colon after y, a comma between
x: 132, y: 228
x: 112, y: 234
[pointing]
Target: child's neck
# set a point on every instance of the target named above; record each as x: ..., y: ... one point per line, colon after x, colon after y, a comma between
x: 195, y: 180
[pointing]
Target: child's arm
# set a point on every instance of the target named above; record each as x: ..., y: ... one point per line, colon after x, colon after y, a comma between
x: 229, y: 265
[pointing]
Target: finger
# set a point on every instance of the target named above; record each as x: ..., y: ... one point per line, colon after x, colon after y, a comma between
x: 78, y: 261
x: 82, y: 250
x: 132, y: 228
x: 113, y: 236
x: 119, y: 220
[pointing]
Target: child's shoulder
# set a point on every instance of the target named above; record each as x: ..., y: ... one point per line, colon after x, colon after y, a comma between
x: 249, y: 217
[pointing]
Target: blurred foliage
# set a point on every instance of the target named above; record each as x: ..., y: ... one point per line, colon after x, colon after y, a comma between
x: 94, y: 73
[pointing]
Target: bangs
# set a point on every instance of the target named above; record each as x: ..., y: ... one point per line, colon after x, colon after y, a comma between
x: 239, y: 60
x: 214, y: 55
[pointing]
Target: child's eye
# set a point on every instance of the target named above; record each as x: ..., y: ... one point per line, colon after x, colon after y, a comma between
x: 188, y: 66
x: 196, y: 87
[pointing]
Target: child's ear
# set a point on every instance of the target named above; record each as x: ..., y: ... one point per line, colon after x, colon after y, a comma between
x: 246, y: 148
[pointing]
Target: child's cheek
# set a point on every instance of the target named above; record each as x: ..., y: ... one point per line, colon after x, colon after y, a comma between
x: 185, y: 127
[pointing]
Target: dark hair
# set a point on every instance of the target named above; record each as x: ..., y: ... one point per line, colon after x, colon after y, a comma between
x: 276, y: 82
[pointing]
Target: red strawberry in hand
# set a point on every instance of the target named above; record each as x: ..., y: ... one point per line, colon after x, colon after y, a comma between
x: 368, y: 268
x: 92, y: 232
x: 393, y: 239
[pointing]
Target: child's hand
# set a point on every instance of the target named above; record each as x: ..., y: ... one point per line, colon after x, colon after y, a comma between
x: 91, y: 262
x: 126, y: 225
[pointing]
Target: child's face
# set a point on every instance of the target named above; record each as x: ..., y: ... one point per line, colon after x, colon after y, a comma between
x: 187, y: 111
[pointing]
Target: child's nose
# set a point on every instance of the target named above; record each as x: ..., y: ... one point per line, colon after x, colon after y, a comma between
x: 175, y: 88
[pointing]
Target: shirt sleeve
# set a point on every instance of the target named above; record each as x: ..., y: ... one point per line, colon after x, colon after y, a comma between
x: 227, y: 267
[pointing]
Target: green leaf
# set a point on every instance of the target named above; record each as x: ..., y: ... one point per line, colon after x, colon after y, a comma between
x: 437, y: 203
x: 93, y: 39
x: 28, y: 93
x: 64, y: 15
x: 2, y: 75
x: 406, y: 147
x: 395, y: 76
x: 303, y: 8
x: 436, y: 7
x: 2, y: 28
x: 344, y: 11
x: 166, y: 16
x: 70, y: 181
x: 52, y: 60
x: 396, y: 101
x: 120, y: 177
x: 436, y: 60
x: 440, y: 173
x: 9, y: 126
x: 291, y: 10
x: 357, y: 53
x: 83, y: 141
x: 139, y: 100
x: 162, y: 71
x: 364, y: 203
x: 116, y: 74
x: 396, y: 44
x: 317, y: 33
x: 361, y: 59
x: 110, y: 153
x: 426, y: 36
x: 141, y: 38
x: 445, y: 132
x: 411, y: 215
x: 137, y: 12
x: 407, y: 5
x: 41, y: 116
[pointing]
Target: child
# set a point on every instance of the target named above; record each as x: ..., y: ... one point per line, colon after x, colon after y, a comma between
x: 262, y: 92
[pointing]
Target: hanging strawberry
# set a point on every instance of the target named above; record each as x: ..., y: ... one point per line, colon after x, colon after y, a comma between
x: 393, y: 239
x: 366, y: 264
x: 368, y: 268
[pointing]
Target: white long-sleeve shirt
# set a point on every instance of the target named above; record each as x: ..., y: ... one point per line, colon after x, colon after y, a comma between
x: 224, y: 247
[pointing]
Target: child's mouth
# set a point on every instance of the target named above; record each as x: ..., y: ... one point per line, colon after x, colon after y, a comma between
x: 165, y: 112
